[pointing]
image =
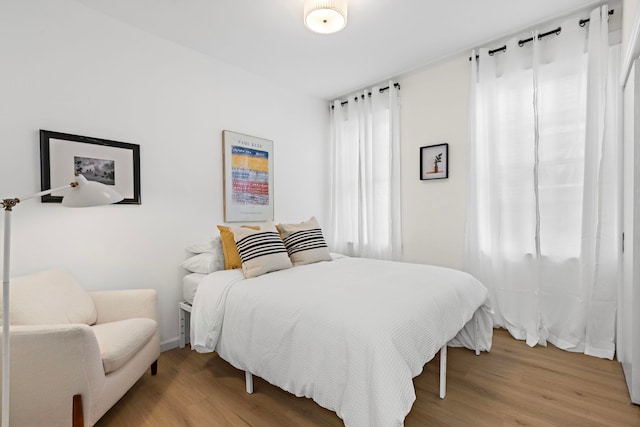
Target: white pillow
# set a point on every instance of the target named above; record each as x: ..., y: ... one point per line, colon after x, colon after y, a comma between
x: 261, y: 251
x: 212, y: 245
x: 204, y: 263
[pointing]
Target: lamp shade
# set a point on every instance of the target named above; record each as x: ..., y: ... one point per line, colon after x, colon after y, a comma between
x: 89, y: 193
x: 325, y: 16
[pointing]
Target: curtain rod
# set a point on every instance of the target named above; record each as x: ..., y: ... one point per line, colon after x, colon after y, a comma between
x: 382, y: 89
x: 521, y: 43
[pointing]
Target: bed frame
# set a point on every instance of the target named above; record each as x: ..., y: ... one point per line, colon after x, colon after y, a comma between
x: 185, y: 311
x: 443, y: 365
x: 443, y: 374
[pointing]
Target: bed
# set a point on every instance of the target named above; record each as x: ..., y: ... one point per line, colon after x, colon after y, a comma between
x: 350, y: 333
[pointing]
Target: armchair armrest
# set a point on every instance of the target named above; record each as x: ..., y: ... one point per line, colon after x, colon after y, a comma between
x: 49, y: 365
x: 112, y: 306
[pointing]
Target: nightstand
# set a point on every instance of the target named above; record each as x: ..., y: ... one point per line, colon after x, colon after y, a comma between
x: 184, y: 312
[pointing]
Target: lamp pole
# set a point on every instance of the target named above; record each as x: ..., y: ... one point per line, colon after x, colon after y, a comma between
x: 8, y: 205
x: 5, y: 314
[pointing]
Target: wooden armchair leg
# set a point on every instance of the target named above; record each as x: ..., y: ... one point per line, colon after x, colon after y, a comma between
x: 78, y: 415
x: 154, y: 368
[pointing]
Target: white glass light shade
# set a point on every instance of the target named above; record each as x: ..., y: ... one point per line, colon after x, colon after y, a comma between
x: 89, y: 193
x: 325, y: 16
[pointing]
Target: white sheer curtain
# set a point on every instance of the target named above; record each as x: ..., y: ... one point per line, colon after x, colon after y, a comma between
x: 542, y: 221
x: 365, y: 175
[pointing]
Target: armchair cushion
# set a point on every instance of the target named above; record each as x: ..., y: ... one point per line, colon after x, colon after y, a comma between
x: 120, y: 341
x: 49, y: 297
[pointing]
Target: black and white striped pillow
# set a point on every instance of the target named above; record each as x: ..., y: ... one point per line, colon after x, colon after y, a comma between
x: 304, y: 242
x: 261, y: 251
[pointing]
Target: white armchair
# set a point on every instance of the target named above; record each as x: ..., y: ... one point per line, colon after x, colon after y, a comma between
x: 74, y: 354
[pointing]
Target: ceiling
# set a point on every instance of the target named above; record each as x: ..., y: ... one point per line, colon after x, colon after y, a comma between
x: 383, y: 38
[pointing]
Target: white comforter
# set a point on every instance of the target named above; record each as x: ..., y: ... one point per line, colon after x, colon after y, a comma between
x: 350, y: 333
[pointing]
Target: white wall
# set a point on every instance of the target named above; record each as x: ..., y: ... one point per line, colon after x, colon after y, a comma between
x: 69, y: 69
x: 434, y: 110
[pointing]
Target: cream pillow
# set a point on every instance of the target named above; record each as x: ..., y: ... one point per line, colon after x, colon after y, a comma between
x: 261, y: 251
x: 49, y: 297
x: 304, y: 242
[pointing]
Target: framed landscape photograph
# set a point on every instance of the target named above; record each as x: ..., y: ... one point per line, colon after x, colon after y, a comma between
x: 248, y: 177
x: 434, y: 162
x: 112, y: 163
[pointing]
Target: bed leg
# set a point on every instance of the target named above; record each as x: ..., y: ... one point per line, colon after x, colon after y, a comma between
x: 476, y: 333
x: 249, y: 380
x: 443, y: 371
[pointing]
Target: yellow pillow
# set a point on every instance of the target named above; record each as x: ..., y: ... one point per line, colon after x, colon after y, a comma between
x: 231, y: 255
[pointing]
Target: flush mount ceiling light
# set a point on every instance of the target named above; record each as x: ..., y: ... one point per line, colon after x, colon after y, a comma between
x: 325, y: 16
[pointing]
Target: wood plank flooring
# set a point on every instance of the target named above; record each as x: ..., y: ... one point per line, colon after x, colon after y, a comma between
x: 513, y: 385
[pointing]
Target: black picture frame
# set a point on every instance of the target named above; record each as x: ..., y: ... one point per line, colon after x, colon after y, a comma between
x: 434, y: 162
x: 111, y: 162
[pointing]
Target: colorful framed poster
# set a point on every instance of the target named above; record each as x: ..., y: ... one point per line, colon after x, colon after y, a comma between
x: 248, y: 177
x: 112, y: 163
x: 434, y: 162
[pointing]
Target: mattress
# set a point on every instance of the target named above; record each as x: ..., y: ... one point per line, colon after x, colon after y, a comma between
x: 190, y: 283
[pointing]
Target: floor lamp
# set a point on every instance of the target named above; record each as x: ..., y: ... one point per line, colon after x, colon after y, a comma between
x: 79, y: 193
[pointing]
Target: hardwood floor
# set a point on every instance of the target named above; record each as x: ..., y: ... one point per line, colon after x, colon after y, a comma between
x: 513, y: 385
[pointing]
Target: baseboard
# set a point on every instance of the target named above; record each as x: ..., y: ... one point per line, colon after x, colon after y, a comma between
x: 169, y: 344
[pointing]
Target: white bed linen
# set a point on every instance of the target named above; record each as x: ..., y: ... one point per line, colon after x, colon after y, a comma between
x: 349, y: 333
x: 190, y: 283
